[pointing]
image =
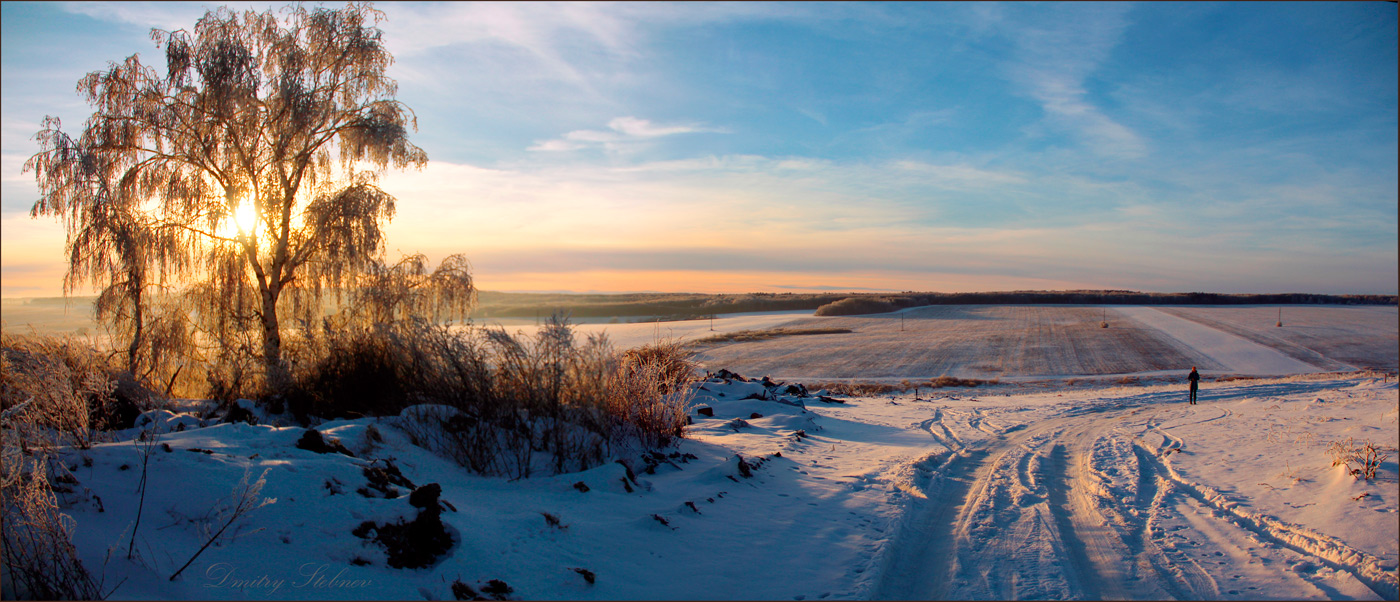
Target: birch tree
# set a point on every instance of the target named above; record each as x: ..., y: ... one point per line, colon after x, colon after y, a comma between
x: 245, y: 166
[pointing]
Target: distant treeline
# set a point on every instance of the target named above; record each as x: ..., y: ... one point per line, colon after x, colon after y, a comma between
x: 678, y: 306
x: 692, y: 305
x: 651, y: 305
x: 868, y: 304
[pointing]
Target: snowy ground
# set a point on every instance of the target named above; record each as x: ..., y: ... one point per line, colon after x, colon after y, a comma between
x: 992, y: 493
x: 1029, y: 489
x: 1067, y: 341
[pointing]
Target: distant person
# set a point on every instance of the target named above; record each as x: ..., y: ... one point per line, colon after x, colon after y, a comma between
x: 1194, y: 377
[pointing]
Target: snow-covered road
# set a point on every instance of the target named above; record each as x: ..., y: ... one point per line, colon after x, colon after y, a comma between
x: 1088, y: 504
x: 1237, y: 354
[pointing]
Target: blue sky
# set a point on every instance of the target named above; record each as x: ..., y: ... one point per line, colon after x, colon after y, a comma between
x: 1240, y: 147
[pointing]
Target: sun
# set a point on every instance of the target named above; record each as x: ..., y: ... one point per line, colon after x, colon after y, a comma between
x: 245, y: 220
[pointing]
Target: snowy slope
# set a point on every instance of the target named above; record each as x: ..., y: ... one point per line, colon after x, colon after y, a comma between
x: 1002, y: 492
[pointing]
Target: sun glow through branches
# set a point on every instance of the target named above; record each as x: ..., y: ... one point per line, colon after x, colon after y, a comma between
x: 243, y: 221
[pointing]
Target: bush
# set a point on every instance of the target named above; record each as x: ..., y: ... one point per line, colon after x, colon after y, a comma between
x: 1367, y: 457
x: 40, y: 561
x: 953, y: 381
x: 498, y: 404
x: 63, y: 392
x: 852, y: 306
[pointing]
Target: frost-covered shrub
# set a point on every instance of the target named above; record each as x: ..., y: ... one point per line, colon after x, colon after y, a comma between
x: 498, y: 403
x: 36, y: 540
x: 1366, y: 457
x: 63, y: 391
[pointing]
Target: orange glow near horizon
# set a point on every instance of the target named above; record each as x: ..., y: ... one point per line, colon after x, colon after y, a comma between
x: 706, y: 282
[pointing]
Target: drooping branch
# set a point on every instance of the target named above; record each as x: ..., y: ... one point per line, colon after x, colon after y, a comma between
x: 279, y: 116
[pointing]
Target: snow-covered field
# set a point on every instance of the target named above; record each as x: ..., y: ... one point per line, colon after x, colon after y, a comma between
x: 1025, y: 489
x: 1333, y: 337
x: 626, y: 335
x: 1015, y: 341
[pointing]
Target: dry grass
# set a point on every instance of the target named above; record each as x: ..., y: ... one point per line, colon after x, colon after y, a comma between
x: 58, y: 390
x: 868, y: 389
x: 515, y: 404
x: 855, y: 389
x: 1366, y: 457
x: 741, y: 336
x: 53, y: 392
x: 40, y: 561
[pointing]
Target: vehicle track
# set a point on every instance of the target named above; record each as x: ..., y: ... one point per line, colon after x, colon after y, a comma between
x: 1088, y: 506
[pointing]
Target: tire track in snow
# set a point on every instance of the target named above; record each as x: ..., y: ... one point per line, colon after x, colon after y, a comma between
x: 916, y: 563
x: 1328, y: 550
x: 1033, y: 513
x: 1078, y: 550
x: 947, y: 438
x: 1182, y: 580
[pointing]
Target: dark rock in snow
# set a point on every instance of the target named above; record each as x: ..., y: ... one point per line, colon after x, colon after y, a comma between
x: 425, y: 496
x: 755, y: 415
x: 415, y: 544
x: 383, y: 478
x: 704, y: 410
x: 727, y: 375
x: 581, y: 486
x: 311, y: 440
x: 795, y: 389
x: 238, y: 413
x: 587, y: 575
x: 744, y: 469
x: 462, y: 591
x: 497, y: 589
x: 631, y: 476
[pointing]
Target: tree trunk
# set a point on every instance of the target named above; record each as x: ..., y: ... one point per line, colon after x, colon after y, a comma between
x: 133, y: 350
x: 275, y: 367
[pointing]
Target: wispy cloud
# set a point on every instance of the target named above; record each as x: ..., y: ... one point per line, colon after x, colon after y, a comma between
x: 165, y: 15
x: 622, y: 132
x: 1056, y: 51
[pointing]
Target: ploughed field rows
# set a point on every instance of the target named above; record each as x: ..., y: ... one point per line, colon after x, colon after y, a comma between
x: 1330, y: 337
x: 969, y: 341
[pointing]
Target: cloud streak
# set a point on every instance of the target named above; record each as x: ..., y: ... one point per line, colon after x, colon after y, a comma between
x: 622, y: 133
x: 1055, y: 54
